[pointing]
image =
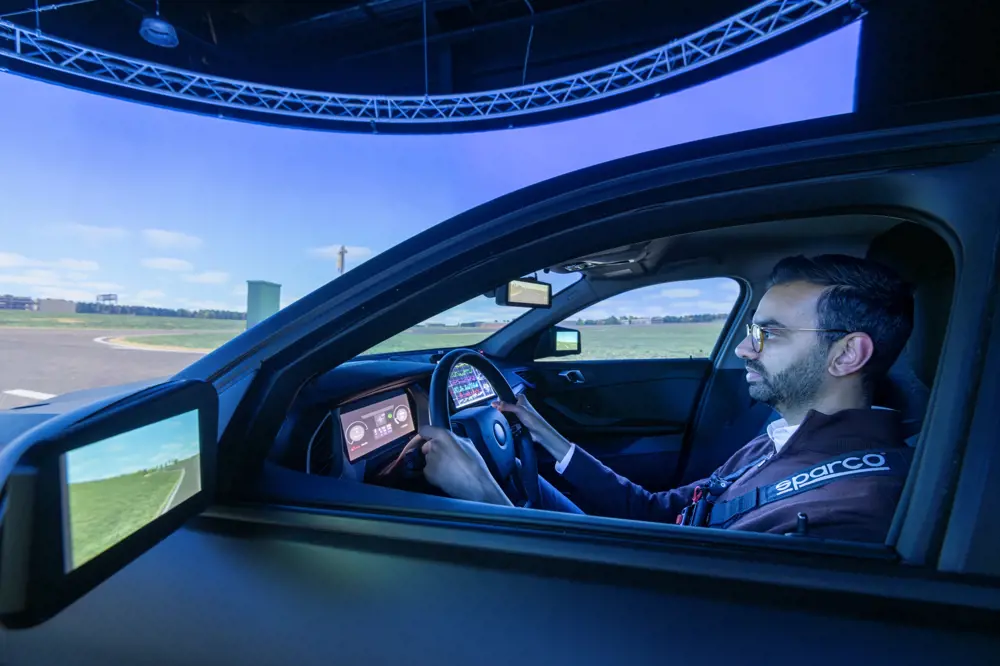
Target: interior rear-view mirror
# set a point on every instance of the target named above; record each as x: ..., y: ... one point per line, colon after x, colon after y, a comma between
x: 525, y: 293
x: 88, y: 497
x: 559, y: 341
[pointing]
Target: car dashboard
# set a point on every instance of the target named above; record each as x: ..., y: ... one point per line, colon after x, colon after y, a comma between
x: 353, y: 421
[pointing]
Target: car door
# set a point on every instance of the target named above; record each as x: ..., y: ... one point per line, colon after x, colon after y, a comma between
x: 631, y: 396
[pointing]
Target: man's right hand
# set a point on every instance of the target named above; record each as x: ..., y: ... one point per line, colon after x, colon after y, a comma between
x: 539, y: 429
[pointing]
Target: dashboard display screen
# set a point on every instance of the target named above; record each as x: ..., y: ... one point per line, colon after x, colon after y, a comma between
x: 369, y: 428
x: 467, y: 385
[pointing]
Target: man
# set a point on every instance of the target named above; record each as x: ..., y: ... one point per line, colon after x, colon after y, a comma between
x: 825, y: 332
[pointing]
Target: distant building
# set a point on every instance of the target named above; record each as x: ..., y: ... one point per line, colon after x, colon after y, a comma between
x: 263, y: 300
x: 56, y: 306
x: 638, y: 321
x: 8, y: 302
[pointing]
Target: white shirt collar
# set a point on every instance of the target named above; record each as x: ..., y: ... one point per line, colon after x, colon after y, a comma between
x: 780, y: 432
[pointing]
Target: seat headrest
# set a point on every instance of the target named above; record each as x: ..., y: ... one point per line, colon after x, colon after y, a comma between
x: 903, y: 391
x: 924, y: 259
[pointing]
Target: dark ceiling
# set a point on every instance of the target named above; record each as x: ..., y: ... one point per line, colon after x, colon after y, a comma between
x: 911, y: 50
x: 376, y: 46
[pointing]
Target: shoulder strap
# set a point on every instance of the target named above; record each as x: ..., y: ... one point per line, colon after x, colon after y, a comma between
x: 845, y: 466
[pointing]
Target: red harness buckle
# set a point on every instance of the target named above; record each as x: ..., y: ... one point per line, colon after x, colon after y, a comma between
x: 689, y: 511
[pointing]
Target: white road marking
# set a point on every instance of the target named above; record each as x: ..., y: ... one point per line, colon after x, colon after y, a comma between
x: 167, y: 505
x: 31, y: 395
x: 106, y: 340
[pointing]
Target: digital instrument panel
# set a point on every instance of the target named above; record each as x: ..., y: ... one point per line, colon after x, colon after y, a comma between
x: 467, y: 385
x: 367, y: 429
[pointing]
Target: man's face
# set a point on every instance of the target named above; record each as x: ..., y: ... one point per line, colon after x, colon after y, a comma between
x: 790, y: 370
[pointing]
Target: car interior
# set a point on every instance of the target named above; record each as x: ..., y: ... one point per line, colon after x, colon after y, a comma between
x: 659, y: 422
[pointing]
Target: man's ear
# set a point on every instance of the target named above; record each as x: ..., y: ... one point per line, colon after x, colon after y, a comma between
x: 850, y: 354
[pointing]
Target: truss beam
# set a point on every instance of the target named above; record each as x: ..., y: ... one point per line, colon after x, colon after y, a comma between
x: 737, y: 33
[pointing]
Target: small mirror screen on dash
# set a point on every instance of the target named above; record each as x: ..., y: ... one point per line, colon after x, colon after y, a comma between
x: 567, y: 340
x: 532, y: 293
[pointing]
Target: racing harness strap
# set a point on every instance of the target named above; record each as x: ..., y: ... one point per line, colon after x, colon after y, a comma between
x: 704, y: 511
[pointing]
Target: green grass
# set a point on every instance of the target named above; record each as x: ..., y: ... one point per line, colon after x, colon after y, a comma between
x: 104, y: 512
x: 599, y: 342
x: 686, y: 340
x: 184, y: 340
x: 100, y: 321
x: 431, y: 337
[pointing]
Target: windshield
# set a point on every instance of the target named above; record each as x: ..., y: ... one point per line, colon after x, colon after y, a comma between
x: 136, y: 239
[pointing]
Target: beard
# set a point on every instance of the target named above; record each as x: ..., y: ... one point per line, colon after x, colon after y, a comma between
x: 795, y: 386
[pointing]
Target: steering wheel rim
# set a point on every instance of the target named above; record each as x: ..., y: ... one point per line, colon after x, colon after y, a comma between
x: 508, y: 450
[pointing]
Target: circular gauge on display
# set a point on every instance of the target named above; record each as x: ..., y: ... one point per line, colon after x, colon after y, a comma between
x: 356, y: 433
x: 402, y: 415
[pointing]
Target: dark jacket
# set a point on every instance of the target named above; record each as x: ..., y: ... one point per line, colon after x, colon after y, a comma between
x: 857, y: 508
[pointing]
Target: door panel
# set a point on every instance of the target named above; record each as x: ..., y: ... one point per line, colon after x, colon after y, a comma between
x: 633, y: 415
x: 248, y: 593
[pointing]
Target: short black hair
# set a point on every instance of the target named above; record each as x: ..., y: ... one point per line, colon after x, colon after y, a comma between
x: 862, y: 296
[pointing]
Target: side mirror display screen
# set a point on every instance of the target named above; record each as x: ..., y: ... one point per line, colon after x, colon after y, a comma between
x: 567, y: 341
x: 90, y: 491
x: 116, y: 486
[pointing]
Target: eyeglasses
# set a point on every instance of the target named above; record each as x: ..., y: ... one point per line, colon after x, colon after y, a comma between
x: 756, y: 333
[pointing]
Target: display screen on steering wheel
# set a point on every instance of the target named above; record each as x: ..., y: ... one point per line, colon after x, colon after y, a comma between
x: 467, y: 386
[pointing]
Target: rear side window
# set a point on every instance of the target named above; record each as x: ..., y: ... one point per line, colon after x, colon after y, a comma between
x: 669, y: 320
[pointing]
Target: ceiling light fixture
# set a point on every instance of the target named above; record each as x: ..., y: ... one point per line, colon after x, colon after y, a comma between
x: 158, y: 31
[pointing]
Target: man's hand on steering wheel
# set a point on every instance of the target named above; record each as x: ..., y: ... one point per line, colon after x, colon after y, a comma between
x: 479, y: 455
x: 453, y: 464
x: 541, y: 432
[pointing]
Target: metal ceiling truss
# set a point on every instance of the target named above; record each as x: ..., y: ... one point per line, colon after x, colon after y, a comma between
x: 737, y: 33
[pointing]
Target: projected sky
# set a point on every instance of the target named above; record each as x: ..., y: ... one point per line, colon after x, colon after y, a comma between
x: 145, y: 448
x: 178, y: 210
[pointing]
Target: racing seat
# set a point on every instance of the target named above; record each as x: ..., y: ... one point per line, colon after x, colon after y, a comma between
x: 903, y: 391
x: 924, y: 259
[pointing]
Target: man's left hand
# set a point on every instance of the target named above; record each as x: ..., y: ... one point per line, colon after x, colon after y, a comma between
x: 454, y: 465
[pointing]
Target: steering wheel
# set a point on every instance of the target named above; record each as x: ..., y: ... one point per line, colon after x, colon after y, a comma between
x: 507, y: 449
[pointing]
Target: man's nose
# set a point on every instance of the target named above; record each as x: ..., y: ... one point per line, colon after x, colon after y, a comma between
x: 745, y: 350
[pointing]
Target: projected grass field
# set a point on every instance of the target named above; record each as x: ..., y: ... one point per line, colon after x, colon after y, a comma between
x: 682, y: 340
x: 105, y: 511
x: 25, y: 319
x: 192, y: 341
